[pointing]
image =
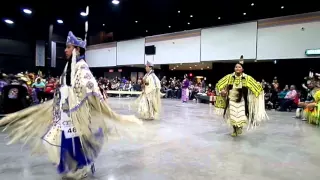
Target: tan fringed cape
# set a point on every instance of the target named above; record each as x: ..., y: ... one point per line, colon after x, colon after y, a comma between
x: 37, y: 125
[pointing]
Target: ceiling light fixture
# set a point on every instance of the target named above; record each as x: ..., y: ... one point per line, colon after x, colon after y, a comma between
x: 179, y: 11
x: 244, y: 14
x: 116, y: 2
x: 282, y: 7
x: 252, y: 4
x: 190, y: 67
x: 83, y: 14
x: 59, y: 21
x: 103, y: 24
x: 146, y: 30
x: 136, y: 21
x: 8, y: 21
x: 27, y: 11
x: 191, y: 16
x: 219, y: 17
x: 169, y: 26
x: 188, y: 23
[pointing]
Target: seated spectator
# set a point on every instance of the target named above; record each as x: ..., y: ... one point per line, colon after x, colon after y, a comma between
x: 289, y: 99
x: 177, y: 90
x: 39, y: 87
x: 115, y: 85
x: 268, y: 96
x: 3, y: 83
x: 283, y: 94
x: 137, y: 86
x: 103, y: 92
x: 210, y: 92
x: 23, y: 81
x: 195, y: 90
x: 49, y: 89
x: 127, y: 86
x: 15, y: 98
x: 170, y: 91
x: 123, y: 80
x: 274, y: 93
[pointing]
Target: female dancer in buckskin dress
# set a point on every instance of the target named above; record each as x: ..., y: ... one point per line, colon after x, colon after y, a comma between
x: 185, y: 89
x: 244, y: 99
x: 149, y: 102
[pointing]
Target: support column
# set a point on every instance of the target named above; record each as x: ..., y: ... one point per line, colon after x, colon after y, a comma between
x: 49, y: 52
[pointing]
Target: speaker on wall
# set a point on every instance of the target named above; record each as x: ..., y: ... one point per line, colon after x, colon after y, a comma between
x: 150, y: 50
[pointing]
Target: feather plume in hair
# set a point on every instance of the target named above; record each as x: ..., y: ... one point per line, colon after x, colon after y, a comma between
x: 311, y: 75
x: 241, y: 61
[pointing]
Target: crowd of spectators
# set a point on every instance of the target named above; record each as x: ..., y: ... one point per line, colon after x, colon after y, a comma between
x: 281, y: 98
x: 24, y: 89
x: 39, y: 88
x: 172, y: 87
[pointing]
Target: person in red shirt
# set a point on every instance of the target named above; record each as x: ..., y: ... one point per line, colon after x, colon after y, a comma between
x: 49, y: 89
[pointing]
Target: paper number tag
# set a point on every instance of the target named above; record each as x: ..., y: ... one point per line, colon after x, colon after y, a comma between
x: 70, y: 132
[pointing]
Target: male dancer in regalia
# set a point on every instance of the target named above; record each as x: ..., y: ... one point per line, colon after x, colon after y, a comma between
x: 72, y: 126
x: 149, y: 102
